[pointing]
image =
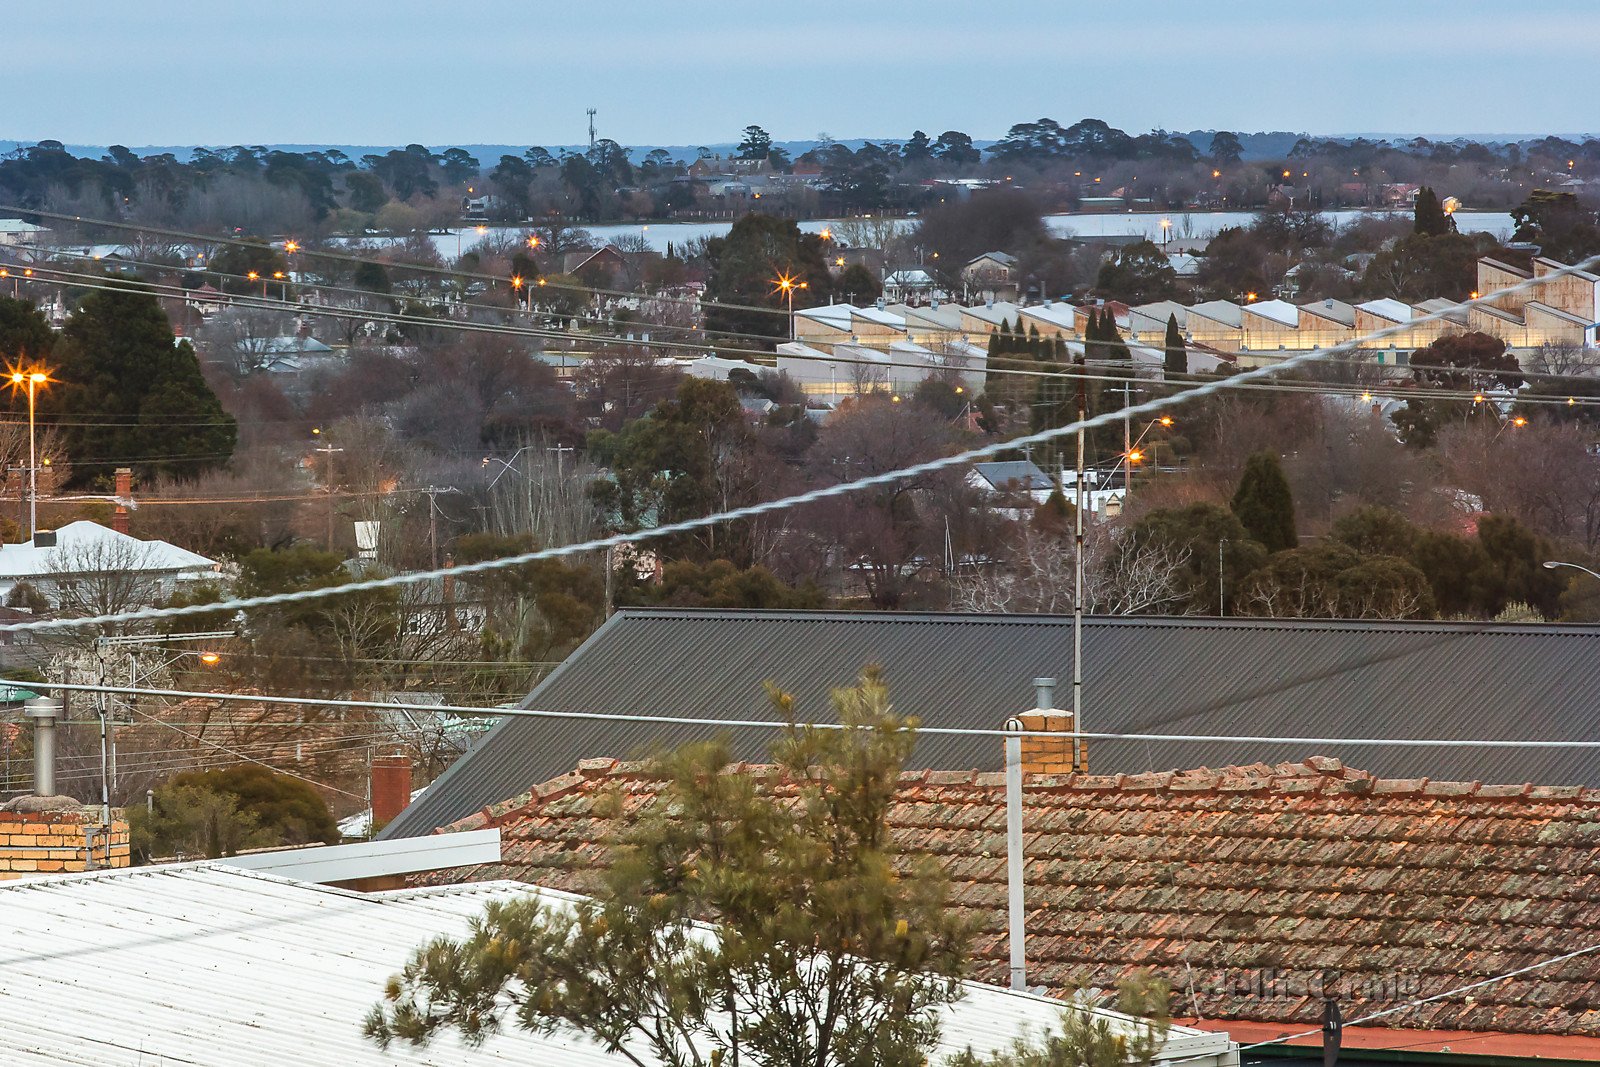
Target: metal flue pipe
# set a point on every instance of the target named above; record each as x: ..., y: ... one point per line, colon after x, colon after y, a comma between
x: 44, y: 711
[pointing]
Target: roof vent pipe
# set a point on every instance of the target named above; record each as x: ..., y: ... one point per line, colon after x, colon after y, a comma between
x: 1016, y: 934
x: 44, y: 712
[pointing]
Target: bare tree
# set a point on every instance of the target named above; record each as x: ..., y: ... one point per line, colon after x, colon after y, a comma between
x: 104, y: 576
x: 1120, y: 577
x: 245, y: 340
x: 543, y: 493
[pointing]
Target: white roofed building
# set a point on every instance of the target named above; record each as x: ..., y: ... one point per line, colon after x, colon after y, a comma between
x: 64, y: 564
x: 211, y: 963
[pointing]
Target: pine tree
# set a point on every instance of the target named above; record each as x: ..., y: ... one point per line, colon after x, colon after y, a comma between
x: 1264, y: 503
x: 825, y: 954
x: 1112, y: 346
x: 1177, y: 353
x: 150, y: 407
x: 1429, y: 219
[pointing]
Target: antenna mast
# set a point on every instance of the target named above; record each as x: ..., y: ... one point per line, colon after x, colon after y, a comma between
x: 591, y: 127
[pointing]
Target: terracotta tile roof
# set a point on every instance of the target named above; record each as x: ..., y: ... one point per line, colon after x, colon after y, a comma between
x: 1255, y: 891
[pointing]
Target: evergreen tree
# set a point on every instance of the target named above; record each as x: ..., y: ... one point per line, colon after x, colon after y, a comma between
x: 1429, y: 219
x: 1177, y: 361
x: 25, y: 334
x: 141, y: 399
x: 1112, y: 345
x: 1264, y: 504
x: 824, y: 955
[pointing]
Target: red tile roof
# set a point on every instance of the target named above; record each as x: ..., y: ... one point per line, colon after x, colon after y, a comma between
x: 1255, y: 891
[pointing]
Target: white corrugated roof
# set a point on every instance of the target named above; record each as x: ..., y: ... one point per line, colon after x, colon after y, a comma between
x: 1279, y: 311
x: 835, y: 315
x: 1393, y: 310
x: 880, y: 317
x: 205, y: 964
x: 1224, y: 311
x: 84, y: 544
x: 1060, y: 315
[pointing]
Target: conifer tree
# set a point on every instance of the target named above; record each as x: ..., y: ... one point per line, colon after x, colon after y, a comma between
x: 1429, y: 218
x: 824, y: 954
x: 1264, y: 503
x: 151, y: 409
x: 1177, y: 353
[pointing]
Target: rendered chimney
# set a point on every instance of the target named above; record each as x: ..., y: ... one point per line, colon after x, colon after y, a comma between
x: 391, y: 788
x: 124, y: 495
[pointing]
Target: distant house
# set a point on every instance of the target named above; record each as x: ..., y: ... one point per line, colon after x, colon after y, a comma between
x: 285, y: 355
x: 206, y: 300
x: 991, y: 276
x: 66, y: 565
x: 908, y: 284
x: 1011, y: 480
x: 15, y: 232
x: 608, y: 259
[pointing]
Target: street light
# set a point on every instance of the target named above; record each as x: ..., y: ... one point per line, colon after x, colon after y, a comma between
x: 787, y: 285
x: 1552, y: 564
x: 33, y: 378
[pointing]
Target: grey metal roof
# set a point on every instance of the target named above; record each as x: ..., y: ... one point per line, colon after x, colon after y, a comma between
x: 1142, y: 674
x: 1024, y: 472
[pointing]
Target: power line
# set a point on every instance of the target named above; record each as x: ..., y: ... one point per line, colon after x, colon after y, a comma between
x: 347, y: 258
x: 779, y: 504
x: 776, y: 724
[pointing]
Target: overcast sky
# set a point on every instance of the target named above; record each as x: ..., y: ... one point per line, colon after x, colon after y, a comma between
x: 162, y: 72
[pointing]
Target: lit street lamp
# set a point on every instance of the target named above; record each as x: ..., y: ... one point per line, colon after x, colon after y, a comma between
x: 33, y: 378
x: 787, y: 285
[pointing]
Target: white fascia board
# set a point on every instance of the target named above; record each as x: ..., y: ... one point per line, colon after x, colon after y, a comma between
x: 376, y: 859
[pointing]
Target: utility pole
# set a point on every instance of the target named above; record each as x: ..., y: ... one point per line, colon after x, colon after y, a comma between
x: 591, y: 127
x: 1222, y: 587
x: 1127, y: 442
x: 1077, y: 570
x: 433, y: 522
x: 558, y: 450
x: 327, y: 476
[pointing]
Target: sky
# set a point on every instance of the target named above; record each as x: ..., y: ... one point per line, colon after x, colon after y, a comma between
x: 378, y: 72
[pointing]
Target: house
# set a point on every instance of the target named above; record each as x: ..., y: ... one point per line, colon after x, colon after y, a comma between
x: 1012, y: 479
x: 908, y: 283
x: 1258, y: 892
x: 86, y: 560
x: 991, y: 276
x: 230, y: 966
x: 16, y: 233
x: 206, y: 300
x: 284, y: 355
x: 1142, y: 674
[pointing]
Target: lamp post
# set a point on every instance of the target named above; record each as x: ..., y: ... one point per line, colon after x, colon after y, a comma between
x: 33, y: 378
x: 787, y: 285
x: 1552, y: 564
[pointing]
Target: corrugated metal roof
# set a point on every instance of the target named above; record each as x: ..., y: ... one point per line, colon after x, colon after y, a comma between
x: 203, y: 964
x: 1142, y: 674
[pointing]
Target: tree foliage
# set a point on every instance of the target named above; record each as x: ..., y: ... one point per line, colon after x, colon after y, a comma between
x: 139, y: 397
x: 746, y: 266
x: 221, y: 812
x: 822, y: 954
x: 1086, y: 1039
x: 1264, y: 503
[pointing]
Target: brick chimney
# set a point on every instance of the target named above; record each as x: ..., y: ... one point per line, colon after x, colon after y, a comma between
x: 391, y: 788
x: 124, y: 495
x: 1050, y: 755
